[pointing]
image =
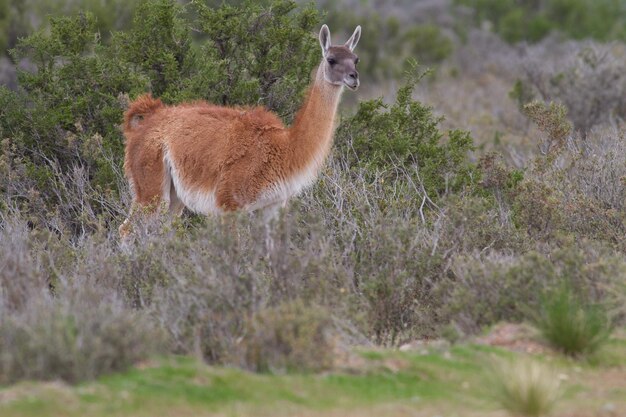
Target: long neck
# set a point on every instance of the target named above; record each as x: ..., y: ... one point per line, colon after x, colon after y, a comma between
x: 310, y: 136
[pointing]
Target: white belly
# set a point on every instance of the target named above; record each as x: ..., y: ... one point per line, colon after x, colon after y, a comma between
x: 196, y: 200
x: 283, y: 190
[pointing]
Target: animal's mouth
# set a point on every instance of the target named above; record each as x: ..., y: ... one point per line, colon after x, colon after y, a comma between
x: 352, y: 87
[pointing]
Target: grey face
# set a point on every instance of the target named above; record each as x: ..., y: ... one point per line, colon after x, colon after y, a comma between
x: 340, y: 61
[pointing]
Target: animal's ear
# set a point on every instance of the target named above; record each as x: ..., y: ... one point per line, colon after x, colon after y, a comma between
x: 325, y: 39
x: 354, y: 39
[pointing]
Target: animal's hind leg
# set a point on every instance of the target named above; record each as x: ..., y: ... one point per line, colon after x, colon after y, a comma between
x: 126, y: 228
x: 176, y: 205
x: 151, y: 192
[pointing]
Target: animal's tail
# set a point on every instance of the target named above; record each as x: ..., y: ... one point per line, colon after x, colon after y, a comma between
x: 141, y: 107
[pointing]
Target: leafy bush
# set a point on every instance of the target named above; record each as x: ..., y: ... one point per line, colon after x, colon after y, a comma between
x: 532, y: 20
x: 389, y: 42
x: 406, y: 135
x: 258, y: 54
x: 67, y: 116
x: 428, y: 44
x: 570, y: 324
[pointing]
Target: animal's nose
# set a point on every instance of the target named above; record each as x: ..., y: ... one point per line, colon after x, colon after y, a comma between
x: 354, y: 75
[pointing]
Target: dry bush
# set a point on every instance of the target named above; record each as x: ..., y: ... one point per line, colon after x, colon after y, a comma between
x: 492, y: 288
x: 21, y: 275
x: 217, y: 277
x: 578, y: 189
x: 599, y: 169
x: 373, y: 253
x: 54, y: 325
x: 497, y: 287
x: 485, y: 52
x: 212, y: 288
x: 82, y: 208
x: 73, y: 338
x: 552, y: 121
x: 588, y: 79
x: 289, y: 337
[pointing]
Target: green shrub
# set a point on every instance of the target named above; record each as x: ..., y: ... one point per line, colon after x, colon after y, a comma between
x: 388, y: 42
x: 66, y: 117
x: 516, y: 25
x: 71, y: 108
x: 571, y: 324
x: 532, y: 20
x: 261, y: 54
x: 427, y: 44
x: 158, y: 45
x: 406, y: 135
x: 20, y: 17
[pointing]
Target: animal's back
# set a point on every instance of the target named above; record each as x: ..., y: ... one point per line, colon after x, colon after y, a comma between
x: 206, y: 142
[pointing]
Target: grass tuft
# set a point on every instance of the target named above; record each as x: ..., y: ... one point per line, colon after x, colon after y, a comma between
x: 572, y: 325
x: 525, y: 387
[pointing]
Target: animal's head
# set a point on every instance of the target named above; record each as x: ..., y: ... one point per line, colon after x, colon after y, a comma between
x: 339, y: 63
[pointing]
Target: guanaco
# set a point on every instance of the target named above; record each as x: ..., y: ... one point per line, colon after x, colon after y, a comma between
x: 215, y: 159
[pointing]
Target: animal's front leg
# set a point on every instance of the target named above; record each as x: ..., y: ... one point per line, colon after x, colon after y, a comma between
x: 270, y: 217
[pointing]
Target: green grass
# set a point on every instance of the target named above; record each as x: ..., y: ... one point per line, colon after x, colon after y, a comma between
x: 571, y: 325
x: 452, y: 380
x: 183, y: 383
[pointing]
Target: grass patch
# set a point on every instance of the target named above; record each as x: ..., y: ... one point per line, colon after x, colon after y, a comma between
x: 449, y: 382
x: 571, y: 325
x: 184, y: 383
x: 525, y: 387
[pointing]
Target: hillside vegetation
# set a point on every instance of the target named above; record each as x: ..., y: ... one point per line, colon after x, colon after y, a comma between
x: 489, y: 188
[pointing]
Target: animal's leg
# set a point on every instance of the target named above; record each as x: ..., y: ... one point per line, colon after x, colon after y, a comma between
x: 151, y: 195
x: 139, y: 213
x: 270, y: 216
x: 176, y: 205
x: 126, y: 229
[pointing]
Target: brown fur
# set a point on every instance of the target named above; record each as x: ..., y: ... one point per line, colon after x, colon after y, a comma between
x: 142, y: 106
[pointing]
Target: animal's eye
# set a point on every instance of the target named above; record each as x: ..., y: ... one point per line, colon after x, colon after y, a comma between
x: 356, y: 61
x: 331, y: 61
